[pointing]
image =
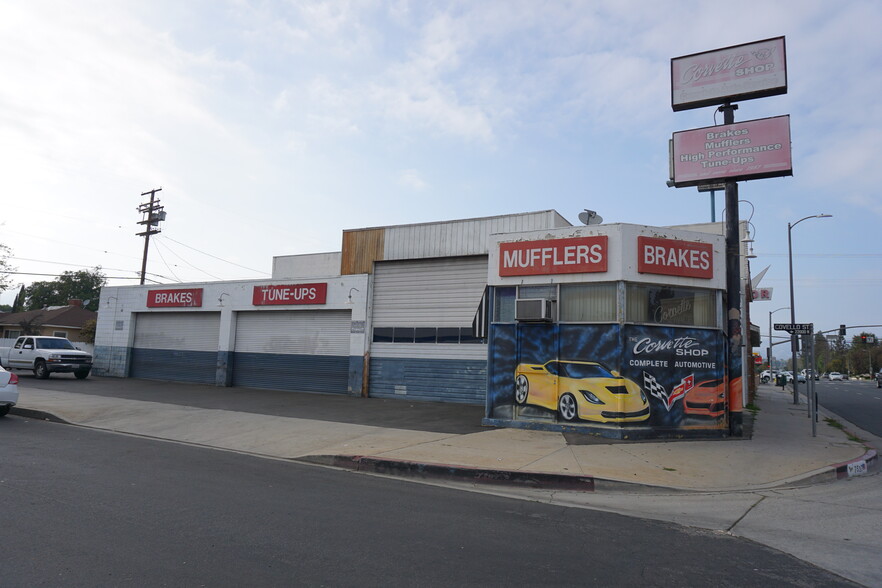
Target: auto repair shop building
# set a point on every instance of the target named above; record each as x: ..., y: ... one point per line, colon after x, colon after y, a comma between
x: 391, y: 315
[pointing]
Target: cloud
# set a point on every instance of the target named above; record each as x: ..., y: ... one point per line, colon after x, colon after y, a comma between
x: 410, y: 178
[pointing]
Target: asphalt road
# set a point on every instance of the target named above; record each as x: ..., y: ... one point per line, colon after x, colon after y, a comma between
x: 857, y: 401
x: 92, y: 508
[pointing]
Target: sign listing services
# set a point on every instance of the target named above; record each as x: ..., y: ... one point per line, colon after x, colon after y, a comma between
x: 741, y: 151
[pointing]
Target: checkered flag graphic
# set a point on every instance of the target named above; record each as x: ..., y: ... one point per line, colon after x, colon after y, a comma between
x: 651, y: 385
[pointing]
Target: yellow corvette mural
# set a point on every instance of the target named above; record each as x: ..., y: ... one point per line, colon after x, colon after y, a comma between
x: 584, y: 390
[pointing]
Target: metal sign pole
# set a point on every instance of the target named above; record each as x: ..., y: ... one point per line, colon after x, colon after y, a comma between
x: 814, y: 391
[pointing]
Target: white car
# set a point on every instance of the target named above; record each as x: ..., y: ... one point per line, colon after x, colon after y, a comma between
x: 835, y: 376
x: 8, y: 391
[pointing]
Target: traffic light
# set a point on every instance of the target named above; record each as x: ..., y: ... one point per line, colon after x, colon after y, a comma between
x: 842, y: 330
x: 863, y: 339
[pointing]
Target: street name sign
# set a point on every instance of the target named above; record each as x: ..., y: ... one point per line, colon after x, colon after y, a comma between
x: 796, y: 328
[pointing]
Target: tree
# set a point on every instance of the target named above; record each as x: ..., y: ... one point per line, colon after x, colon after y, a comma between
x: 84, y: 285
x: 5, y: 268
x: 87, y: 333
x: 18, y: 303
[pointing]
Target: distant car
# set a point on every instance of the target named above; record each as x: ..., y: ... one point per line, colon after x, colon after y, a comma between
x: 835, y: 376
x: 707, y: 398
x: 767, y: 376
x: 584, y: 390
x: 8, y: 391
x: 800, y: 377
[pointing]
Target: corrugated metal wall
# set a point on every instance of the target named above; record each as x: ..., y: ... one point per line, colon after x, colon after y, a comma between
x: 429, y: 293
x: 177, y: 346
x: 463, y: 381
x: 293, y: 350
x: 461, y: 237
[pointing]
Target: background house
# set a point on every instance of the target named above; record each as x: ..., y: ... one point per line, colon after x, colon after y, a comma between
x: 56, y: 321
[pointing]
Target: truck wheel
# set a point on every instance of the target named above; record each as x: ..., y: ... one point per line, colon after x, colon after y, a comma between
x: 40, y: 370
x: 81, y: 374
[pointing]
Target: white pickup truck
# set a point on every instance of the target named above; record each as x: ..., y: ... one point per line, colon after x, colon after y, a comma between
x: 46, y: 355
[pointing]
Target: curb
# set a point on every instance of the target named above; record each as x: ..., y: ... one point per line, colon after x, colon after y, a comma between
x: 32, y: 413
x: 424, y: 471
x: 865, y: 464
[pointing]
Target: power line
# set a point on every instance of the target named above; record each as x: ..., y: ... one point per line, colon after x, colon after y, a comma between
x: 173, y: 252
x: 217, y: 258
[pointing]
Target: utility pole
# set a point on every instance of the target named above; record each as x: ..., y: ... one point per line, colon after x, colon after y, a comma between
x: 152, y: 214
x: 733, y: 288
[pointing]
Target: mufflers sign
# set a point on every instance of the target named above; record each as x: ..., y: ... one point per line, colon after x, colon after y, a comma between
x: 170, y: 298
x: 670, y: 257
x: 290, y: 294
x: 554, y: 256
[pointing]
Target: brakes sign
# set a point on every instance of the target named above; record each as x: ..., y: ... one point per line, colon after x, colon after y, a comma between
x: 167, y: 298
x: 670, y: 257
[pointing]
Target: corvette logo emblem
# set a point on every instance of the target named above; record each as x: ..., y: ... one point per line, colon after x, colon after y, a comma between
x: 651, y: 385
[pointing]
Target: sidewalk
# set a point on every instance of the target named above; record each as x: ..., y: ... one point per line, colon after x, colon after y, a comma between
x: 781, y: 450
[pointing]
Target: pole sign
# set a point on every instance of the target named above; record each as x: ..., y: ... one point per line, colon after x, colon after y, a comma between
x: 761, y: 294
x: 748, y: 150
x: 740, y: 72
x: 796, y: 328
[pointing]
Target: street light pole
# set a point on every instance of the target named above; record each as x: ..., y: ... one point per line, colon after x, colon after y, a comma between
x: 770, y: 333
x: 794, y: 340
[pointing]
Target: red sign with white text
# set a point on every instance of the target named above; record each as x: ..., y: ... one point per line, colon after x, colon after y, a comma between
x: 670, y: 257
x: 170, y: 298
x: 748, y: 150
x: 554, y: 256
x: 290, y: 294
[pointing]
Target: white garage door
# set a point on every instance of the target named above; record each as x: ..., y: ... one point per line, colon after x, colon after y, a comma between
x: 293, y: 350
x: 177, y: 346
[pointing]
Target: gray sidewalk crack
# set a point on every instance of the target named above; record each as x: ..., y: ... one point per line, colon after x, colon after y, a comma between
x: 746, y: 512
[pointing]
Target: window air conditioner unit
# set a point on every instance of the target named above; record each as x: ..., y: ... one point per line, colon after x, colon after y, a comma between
x: 533, y: 309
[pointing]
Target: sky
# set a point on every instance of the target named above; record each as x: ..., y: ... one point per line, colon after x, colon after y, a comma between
x: 271, y: 127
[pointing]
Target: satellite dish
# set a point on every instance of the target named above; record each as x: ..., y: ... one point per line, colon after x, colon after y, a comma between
x: 589, y: 217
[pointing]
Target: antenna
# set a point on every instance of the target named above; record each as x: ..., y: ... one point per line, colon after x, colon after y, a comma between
x: 590, y: 217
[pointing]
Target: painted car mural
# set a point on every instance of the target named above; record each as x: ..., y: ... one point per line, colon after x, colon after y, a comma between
x: 706, y: 399
x: 581, y: 390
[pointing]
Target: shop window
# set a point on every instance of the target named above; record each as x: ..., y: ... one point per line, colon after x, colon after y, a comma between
x: 403, y: 335
x: 585, y: 303
x: 425, y: 335
x: 668, y: 305
x: 504, y: 308
x: 467, y: 336
x: 547, y: 291
x: 448, y: 334
x: 383, y: 334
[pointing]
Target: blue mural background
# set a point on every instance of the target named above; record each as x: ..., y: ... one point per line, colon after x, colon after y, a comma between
x: 667, y: 354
